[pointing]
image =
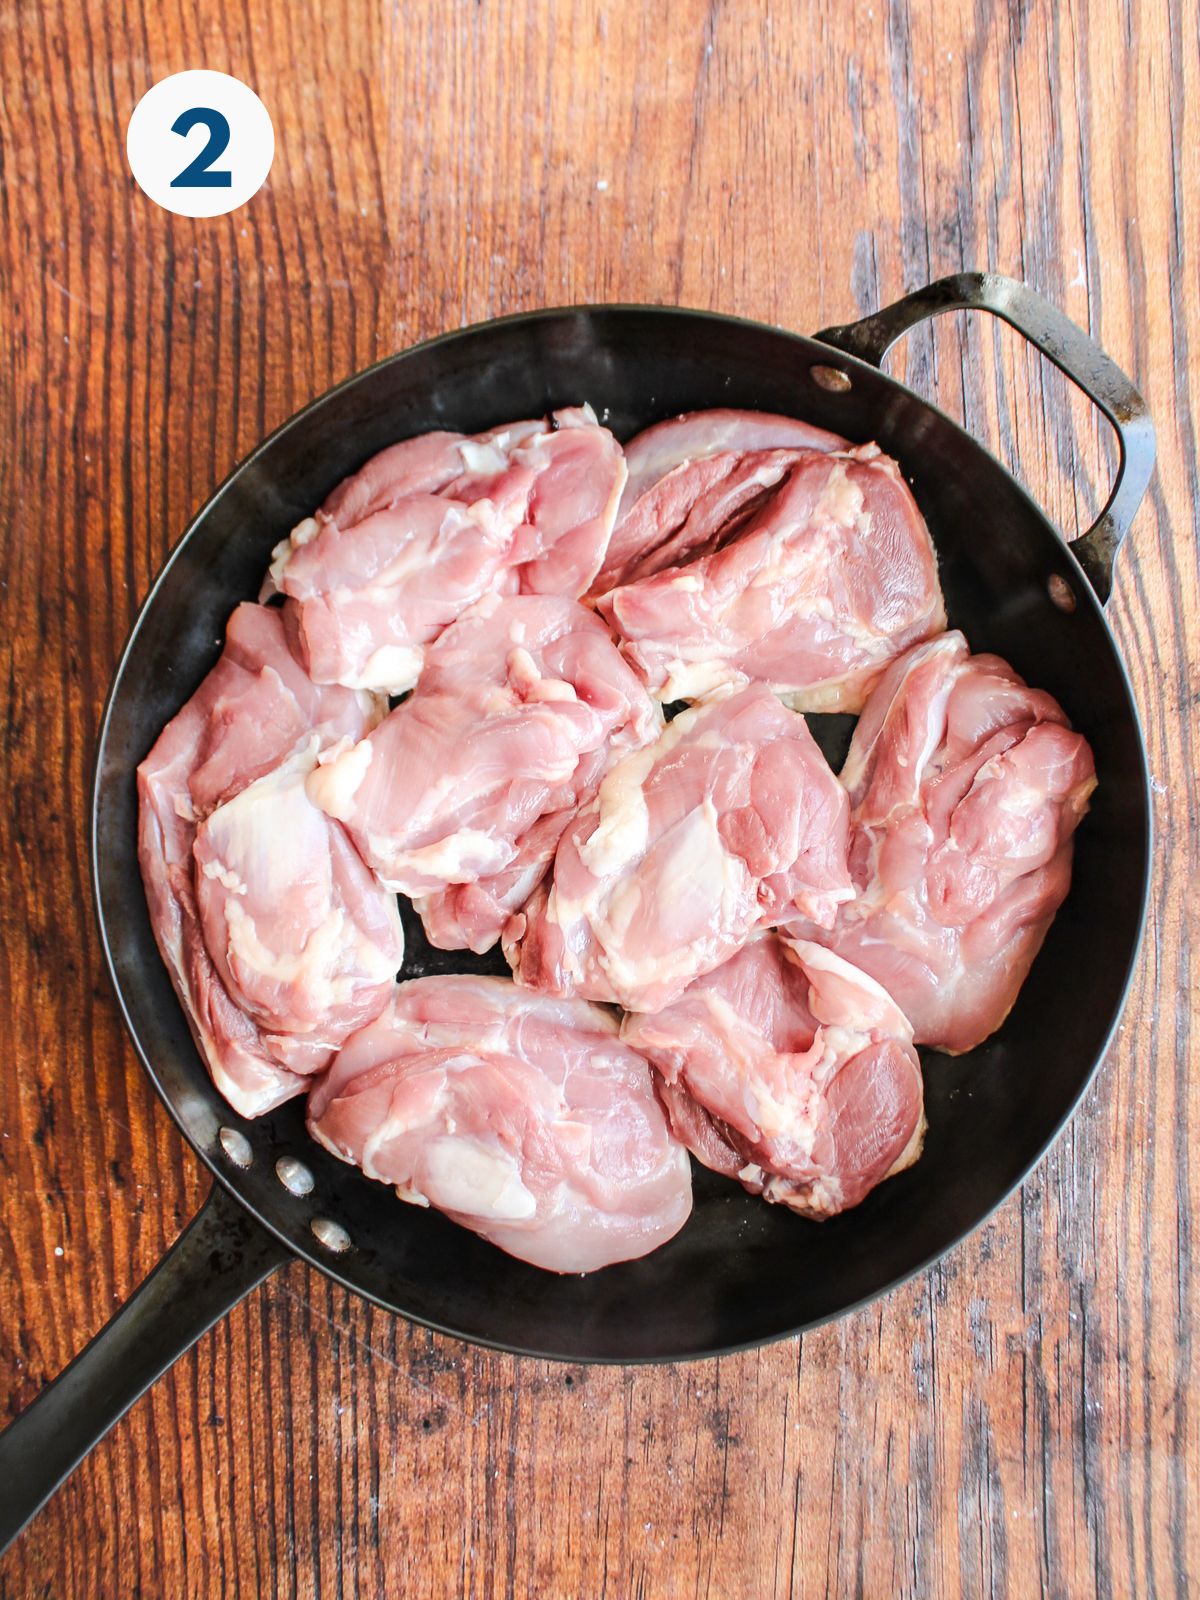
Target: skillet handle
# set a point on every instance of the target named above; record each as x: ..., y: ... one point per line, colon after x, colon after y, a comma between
x: 219, y: 1257
x: 1071, y: 350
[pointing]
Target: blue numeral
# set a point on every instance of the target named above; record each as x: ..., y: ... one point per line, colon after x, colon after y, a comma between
x: 198, y: 174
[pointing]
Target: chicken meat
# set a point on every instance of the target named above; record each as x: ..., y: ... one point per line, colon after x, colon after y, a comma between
x: 522, y: 1117
x: 430, y: 525
x: 460, y: 795
x: 730, y: 820
x: 966, y: 787
x: 653, y: 525
x: 276, y: 953
x: 305, y: 941
x: 693, y: 435
x: 807, y: 571
x: 793, y: 1072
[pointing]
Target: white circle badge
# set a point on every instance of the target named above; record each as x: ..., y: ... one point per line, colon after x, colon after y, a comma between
x: 200, y: 143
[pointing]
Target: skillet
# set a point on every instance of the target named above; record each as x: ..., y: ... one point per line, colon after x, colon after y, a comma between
x: 741, y: 1273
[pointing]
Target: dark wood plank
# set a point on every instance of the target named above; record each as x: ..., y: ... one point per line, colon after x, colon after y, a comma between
x: 1021, y: 1420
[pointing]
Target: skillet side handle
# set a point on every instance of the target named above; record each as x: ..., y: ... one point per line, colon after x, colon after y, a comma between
x: 1071, y: 350
x: 220, y: 1256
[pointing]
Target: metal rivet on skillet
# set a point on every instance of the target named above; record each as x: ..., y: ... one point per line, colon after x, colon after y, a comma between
x: 294, y: 1175
x: 237, y: 1147
x: 831, y: 378
x: 1061, y: 592
x: 331, y: 1234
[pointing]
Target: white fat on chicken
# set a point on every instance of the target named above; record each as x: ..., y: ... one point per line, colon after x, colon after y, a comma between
x: 467, y: 1176
x: 337, y: 776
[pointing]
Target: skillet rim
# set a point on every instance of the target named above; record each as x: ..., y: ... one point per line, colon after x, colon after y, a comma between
x: 229, y: 1180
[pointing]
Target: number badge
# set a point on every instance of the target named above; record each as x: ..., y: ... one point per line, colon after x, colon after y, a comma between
x: 200, y: 143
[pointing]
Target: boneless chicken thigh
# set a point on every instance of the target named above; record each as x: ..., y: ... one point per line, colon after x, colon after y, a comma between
x: 305, y: 941
x: 677, y: 463
x: 694, y: 435
x: 731, y: 819
x: 790, y: 1070
x: 430, y: 525
x: 467, y: 785
x: 277, y: 940
x: 966, y: 787
x: 523, y: 1117
x: 806, y: 571
x: 692, y: 512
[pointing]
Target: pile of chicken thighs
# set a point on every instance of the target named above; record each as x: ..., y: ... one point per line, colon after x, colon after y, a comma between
x: 718, y: 945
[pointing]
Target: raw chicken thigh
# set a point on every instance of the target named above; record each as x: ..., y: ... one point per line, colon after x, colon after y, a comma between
x: 692, y: 435
x: 523, y: 705
x: 730, y: 820
x: 693, y: 512
x: 663, y: 482
x: 822, y: 574
x: 302, y: 936
x: 966, y: 787
x: 276, y: 955
x: 430, y: 525
x: 791, y: 1071
x: 523, y: 1117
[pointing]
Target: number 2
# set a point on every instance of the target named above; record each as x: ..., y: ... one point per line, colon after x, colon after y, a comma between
x: 198, y: 174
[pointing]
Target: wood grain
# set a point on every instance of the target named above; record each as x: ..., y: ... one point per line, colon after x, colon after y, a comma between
x: 1022, y: 1420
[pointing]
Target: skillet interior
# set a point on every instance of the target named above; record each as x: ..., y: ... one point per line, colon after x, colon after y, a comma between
x: 741, y: 1272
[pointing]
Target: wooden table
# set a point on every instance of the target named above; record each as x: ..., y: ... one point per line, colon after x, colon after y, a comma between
x: 1023, y: 1419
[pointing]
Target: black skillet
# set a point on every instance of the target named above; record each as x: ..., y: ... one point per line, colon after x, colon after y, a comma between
x: 741, y: 1273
